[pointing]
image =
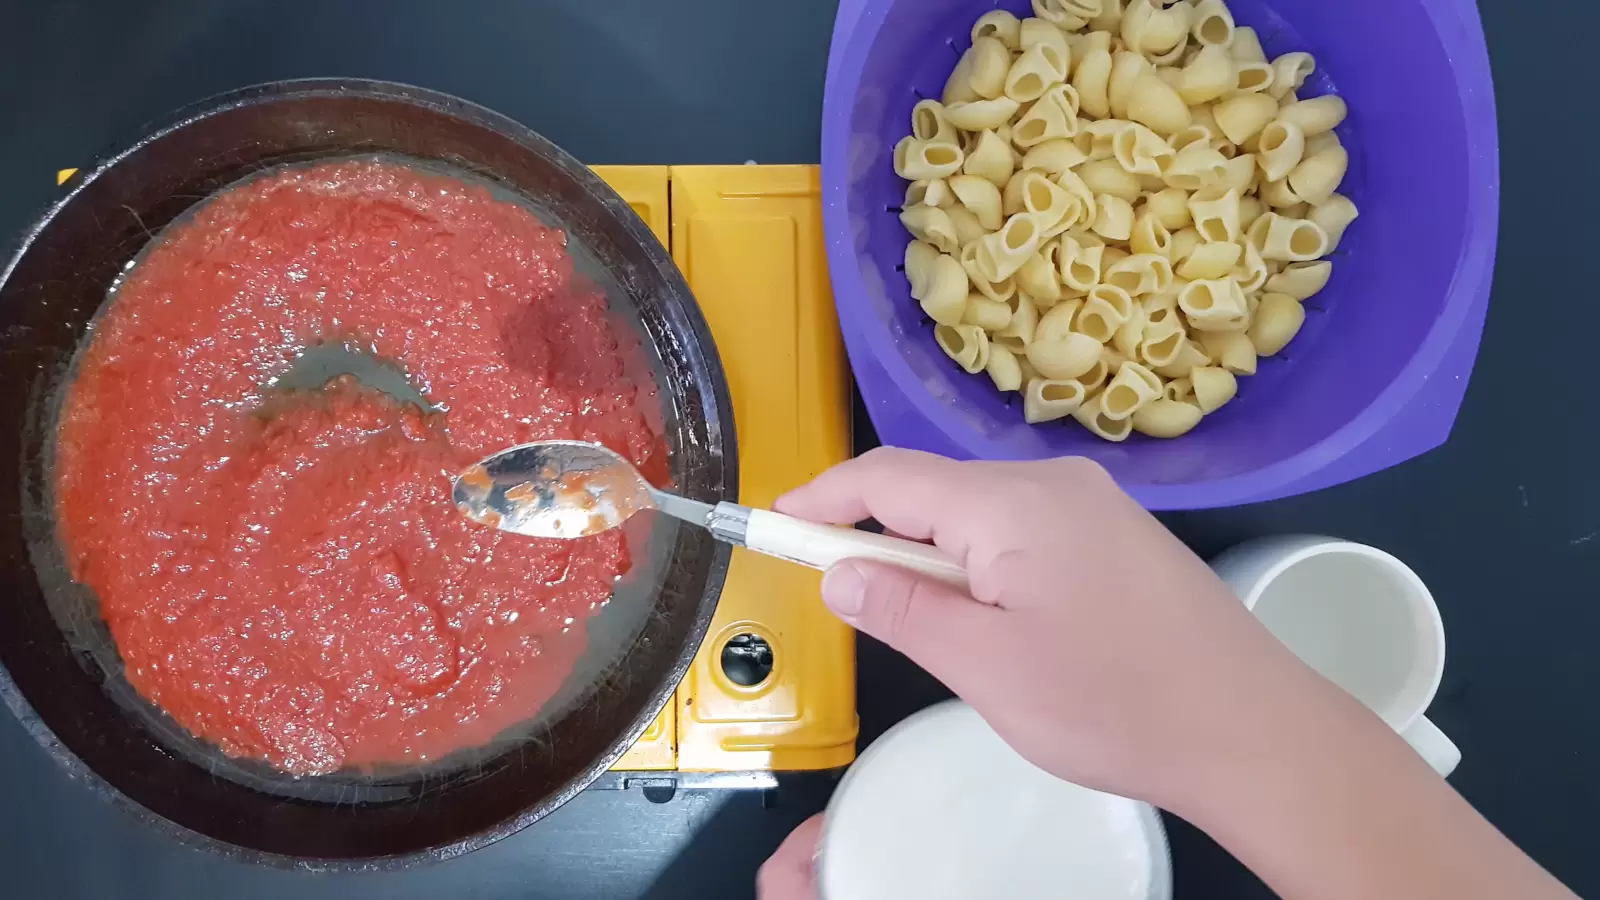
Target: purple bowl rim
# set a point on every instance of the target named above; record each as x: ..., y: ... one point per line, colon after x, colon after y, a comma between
x: 1460, y: 33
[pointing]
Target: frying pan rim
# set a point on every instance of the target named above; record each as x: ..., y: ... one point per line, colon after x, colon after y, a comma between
x: 720, y: 427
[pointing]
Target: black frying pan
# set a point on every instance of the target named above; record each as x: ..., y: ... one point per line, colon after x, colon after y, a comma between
x: 61, y: 675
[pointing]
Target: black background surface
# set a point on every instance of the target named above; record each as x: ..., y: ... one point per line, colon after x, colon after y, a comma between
x: 1503, y: 522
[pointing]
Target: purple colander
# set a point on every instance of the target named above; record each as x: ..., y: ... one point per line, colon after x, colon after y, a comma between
x: 1378, y: 372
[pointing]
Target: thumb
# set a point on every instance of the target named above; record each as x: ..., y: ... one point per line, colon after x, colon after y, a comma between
x: 932, y: 623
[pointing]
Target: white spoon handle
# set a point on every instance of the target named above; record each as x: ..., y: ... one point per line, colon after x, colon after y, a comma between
x: 820, y: 546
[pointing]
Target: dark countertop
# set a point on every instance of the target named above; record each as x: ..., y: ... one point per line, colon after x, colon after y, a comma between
x: 1503, y: 522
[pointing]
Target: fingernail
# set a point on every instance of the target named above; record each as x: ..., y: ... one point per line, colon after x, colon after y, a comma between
x: 844, y: 590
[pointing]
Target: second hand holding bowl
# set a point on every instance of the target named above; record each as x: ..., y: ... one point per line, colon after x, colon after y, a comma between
x: 571, y: 489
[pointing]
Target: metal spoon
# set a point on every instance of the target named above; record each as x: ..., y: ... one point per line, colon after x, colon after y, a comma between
x: 570, y: 489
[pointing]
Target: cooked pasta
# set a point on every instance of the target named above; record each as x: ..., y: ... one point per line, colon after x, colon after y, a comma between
x: 1133, y: 387
x: 1333, y: 216
x: 980, y: 196
x: 931, y: 224
x: 968, y: 345
x: 1213, y: 387
x: 1278, y: 319
x: 1119, y: 207
x: 1302, y: 280
x: 1003, y: 368
x: 916, y: 160
x: 1045, y: 399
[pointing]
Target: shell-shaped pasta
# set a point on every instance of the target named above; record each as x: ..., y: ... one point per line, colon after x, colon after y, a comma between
x: 1126, y: 67
x: 1089, y: 41
x: 1211, y: 260
x: 1113, y: 219
x: 1150, y: 236
x: 1250, y: 209
x: 931, y: 224
x: 1110, y: 15
x: 1066, y: 357
x: 1092, y: 79
x: 1208, y: 76
x: 968, y: 345
x: 1156, y: 104
x: 966, y: 225
x: 1102, y: 313
x: 932, y: 192
x: 1003, y: 368
x: 1316, y: 116
x: 1091, y: 415
x: 1317, y: 143
x: 1216, y: 213
x: 990, y: 315
x: 1054, y: 156
x: 1056, y: 324
x: 1130, y: 334
x: 1140, y: 151
x: 1001, y: 254
x: 1319, y: 175
x: 1289, y: 72
x: 1024, y: 320
x: 980, y: 115
x: 1000, y: 25
x: 958, y: 87
x: 1054, y: 115
x: 1107, y: 365
x: 990, y: 62
x: 1067, y: 15
x: 1106, y: 176
x: 1188, y: 359
x: 1290, y: 240
x: 1164, y: 418
x: 1140, y: 274
x: 1095, y: 139
x: 980, y: 196
x: 1333, y: 217
x: 921, y: 260
x: 1071, y: 182
x: 1278, y: 195
x: 1213, y: 305
x: 1046, y: 399
x: 1252, y: 271
x: 1038, y: 69
x: 1184, y: 242
x: 1301, y: 280
x: 1038, y: 31
x: 943, y: 291
x: 1003, y: 289
x: 1051, y: 205
x: 916, y: 160
x: 1180, y: 389
x: 1213, y: 24
x: 1281, y: 147
x: 1240, y: 173
x: 928, y: 123
x: 990, y: 158
x: 1196, y: 167
x: 1278, y: 319
x: 1156, y: 29
x: 1242, y: 117
x: 1038, y: 277
x: 1213, y: 386
x: 1133, y: 387
x: 1194, y: 134
x: 1246, y: 46
x: 1171, y: 209
x: 1232, y: 350
x: 1162, y: 341
x: 1253, y: 78
x: 1078, y: 264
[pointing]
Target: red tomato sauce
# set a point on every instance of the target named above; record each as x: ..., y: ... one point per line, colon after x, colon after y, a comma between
x: 285, y: 573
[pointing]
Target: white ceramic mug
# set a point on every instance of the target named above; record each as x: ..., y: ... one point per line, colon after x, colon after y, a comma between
x: 1357, y: 615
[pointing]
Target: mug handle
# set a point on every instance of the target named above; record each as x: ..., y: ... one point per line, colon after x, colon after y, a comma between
x: 1432, y: 745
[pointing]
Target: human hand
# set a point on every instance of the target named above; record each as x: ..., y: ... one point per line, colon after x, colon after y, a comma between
x: 788, y: 874
x: 1093, y: 641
